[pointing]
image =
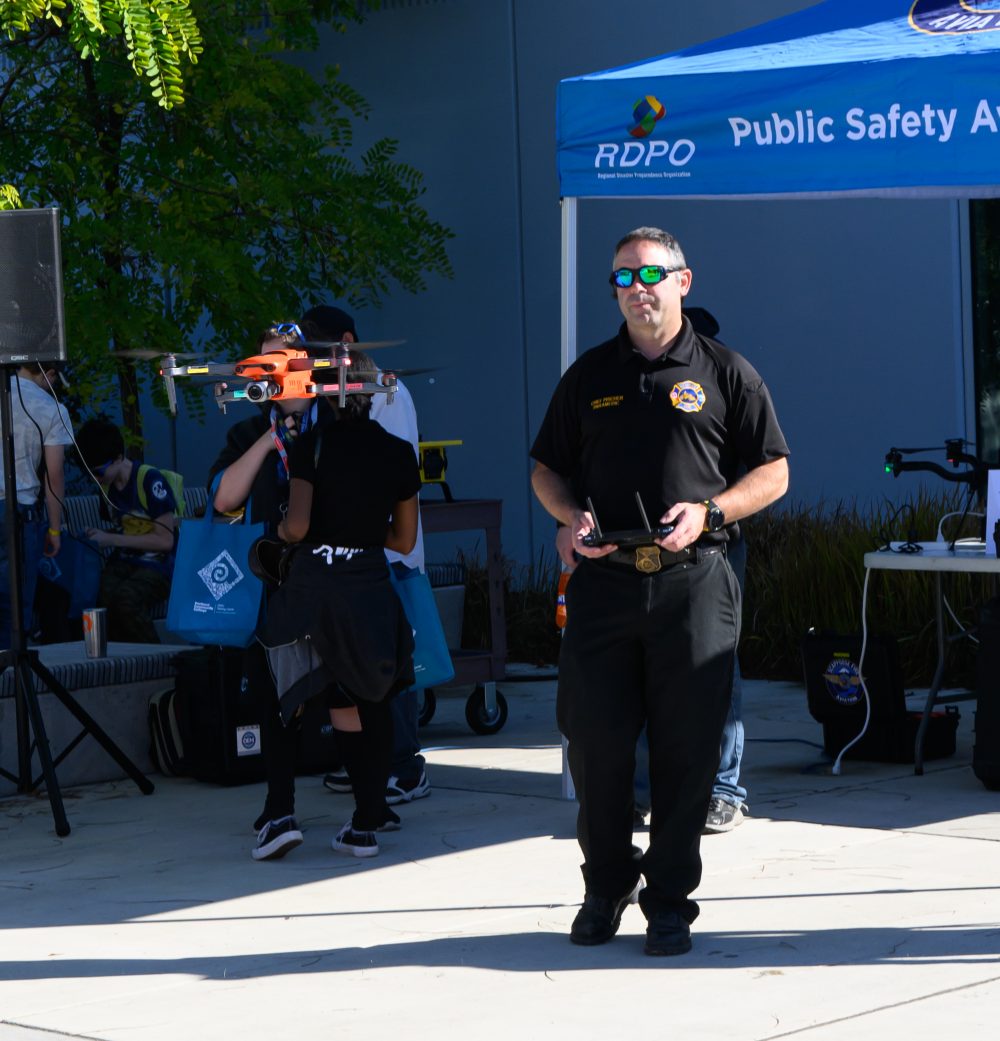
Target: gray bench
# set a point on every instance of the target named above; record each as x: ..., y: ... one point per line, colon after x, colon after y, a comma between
x: 114, y: 690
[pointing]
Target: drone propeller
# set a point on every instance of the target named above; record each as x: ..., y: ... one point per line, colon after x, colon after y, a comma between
x: 332, y: 345
x: 144, y: 354
x: 399, y: 373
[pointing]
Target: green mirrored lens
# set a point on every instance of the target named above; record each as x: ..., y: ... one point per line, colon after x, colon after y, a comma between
x: 623, y: 277
x: 651, y: 274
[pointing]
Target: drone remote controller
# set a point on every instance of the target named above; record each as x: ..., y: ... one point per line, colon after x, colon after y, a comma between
x: 636, y: 537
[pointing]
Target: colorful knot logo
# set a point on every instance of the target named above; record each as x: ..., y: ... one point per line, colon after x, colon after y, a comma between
x: 646, y: 113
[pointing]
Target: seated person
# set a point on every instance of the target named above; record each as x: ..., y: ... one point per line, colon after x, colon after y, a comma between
x: 140, y: 500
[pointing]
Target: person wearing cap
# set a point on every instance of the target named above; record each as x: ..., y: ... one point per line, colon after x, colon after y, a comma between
x: 663, y: 414
x: 408, y: 778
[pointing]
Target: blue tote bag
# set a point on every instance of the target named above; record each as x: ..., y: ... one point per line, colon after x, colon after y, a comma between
x: 431, y: 659
x: 76, y: 568
x: 214, y: 597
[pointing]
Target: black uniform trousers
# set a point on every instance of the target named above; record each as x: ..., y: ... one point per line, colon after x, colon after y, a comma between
x: 657, y: 649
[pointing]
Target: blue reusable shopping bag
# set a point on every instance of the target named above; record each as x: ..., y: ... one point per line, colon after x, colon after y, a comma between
x: 214, y: 597
x: 77, y: 569
x: 431, y: 659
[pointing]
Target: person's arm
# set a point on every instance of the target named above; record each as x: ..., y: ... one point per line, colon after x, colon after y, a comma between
x: 402, y: 534
x: 55, y: 492
x: 553, y: 492
x: 159, y: 540
x: 237, y: 478
x: 295, y: 526
x: 756, y: 489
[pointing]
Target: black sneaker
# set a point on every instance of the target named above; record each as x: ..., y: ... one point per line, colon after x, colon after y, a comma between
x: 391, y: 822
x: 397, y: 791
x: 667, y: 933
x: 599, y: 917
x: 276, y: 839
x: 338, y: 781
x: 265, y: 816
x: 357, y: 843
x: 722, y: 816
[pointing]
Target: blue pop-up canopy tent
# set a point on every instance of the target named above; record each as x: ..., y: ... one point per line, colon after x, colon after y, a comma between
x: 846, y: 98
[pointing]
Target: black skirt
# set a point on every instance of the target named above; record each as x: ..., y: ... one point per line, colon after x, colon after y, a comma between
x: 336, y: 621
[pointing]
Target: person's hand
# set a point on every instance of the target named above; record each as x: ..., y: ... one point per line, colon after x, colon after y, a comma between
x: 100, y: 536
x: 564, y: 547
x: 581, y: 525
x: 53, y: 542
x: 688, y: 519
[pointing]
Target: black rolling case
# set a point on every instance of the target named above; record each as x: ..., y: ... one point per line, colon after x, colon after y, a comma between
x: 986, y: 749
x: 223, y: 725
x: 224, y: 743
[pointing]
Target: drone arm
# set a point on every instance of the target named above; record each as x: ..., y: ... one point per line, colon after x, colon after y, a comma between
x: 898, y: 467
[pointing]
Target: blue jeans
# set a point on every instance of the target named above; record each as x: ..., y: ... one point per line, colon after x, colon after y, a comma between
x: 32, y: 546
x: 727, y: 780
x: 407, y: 762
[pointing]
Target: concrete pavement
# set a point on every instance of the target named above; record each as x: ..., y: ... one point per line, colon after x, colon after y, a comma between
x: 860, y: 906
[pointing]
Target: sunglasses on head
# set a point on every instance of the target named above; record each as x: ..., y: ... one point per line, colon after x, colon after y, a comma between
x: 648, y: 275
x: 288, y: 329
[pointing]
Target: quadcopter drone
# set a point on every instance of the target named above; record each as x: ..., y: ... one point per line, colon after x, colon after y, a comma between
x: 282, y: 374
x: 955, y: 454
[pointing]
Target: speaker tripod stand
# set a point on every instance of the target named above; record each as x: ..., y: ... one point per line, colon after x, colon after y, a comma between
x: 26, y: 664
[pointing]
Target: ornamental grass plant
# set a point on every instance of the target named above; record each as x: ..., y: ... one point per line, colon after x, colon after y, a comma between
x: 805, y: 569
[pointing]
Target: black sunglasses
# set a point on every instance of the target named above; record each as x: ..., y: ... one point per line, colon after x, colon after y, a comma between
x: 648, y: 275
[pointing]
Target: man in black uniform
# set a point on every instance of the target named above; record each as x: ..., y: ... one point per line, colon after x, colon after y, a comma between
x: 652, y: 629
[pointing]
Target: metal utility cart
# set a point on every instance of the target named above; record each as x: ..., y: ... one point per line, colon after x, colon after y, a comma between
x: 486, y: 707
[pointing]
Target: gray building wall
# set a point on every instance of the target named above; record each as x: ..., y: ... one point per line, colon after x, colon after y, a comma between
x: 851, y: 309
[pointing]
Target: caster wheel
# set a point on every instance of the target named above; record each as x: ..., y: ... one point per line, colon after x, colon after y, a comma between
x: 481, y: 721
x: 428, y: 703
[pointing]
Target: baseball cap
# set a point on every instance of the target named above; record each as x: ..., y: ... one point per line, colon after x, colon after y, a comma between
x: 331, y: 321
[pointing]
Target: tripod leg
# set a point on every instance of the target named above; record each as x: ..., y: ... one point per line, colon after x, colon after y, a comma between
x: 144, y: 784
x: 28, y: 699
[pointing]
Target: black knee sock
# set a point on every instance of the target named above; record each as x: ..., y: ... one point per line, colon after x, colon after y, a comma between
x: 367, y: 754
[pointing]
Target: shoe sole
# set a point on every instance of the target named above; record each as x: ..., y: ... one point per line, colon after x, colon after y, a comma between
x: 354, y: 851
x: 664, y: 951
x: 340, y: 789
x: 277, y: 848
x: 395, y: 800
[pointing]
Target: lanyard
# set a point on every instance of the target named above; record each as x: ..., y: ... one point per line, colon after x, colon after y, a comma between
x: 280, y: 436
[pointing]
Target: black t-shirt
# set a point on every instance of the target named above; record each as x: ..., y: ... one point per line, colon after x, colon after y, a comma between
x: 676, y: 429
x: 361, y: 472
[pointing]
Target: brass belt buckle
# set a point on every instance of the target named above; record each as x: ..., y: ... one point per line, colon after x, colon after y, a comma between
x: 647, y: 559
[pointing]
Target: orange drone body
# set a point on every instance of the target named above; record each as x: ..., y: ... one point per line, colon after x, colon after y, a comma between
x: 278, y: 367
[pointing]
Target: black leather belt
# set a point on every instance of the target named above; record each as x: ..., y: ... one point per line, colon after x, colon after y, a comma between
x: 650, y: 559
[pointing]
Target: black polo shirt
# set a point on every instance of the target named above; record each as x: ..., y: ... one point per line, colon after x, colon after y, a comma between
x: 677, y: 429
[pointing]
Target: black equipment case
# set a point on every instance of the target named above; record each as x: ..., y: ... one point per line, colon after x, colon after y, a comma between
x: 836, y: 699
x: 222, y: 726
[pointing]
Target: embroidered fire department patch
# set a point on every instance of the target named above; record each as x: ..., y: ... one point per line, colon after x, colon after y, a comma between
x: 688, y: 396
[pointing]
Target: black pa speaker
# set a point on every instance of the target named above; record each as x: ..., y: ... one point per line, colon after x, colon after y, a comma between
x: 32, y: 327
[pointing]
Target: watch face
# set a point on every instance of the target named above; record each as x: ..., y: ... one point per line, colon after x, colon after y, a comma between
x: 716, y: 519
